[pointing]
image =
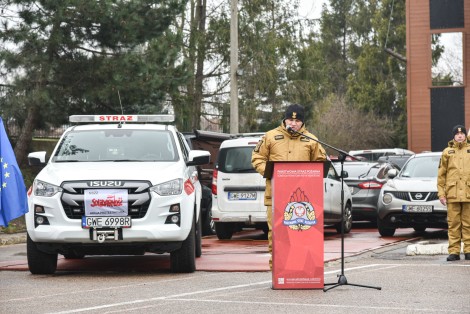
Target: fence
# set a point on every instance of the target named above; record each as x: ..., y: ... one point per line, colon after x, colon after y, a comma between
x: 14, y: 130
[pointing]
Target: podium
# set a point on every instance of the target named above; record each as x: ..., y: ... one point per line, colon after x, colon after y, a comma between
x: 297, y: 230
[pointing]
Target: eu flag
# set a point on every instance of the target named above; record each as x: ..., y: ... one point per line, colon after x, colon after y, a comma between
x: 13, y: 201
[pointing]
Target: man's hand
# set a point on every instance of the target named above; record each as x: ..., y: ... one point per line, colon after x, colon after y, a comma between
x: 443, y: 201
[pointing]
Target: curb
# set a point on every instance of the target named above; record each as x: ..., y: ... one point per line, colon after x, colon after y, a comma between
x: 427, y: 248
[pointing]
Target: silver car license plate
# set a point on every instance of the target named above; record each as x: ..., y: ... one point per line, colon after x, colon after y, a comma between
x: 417, y: 208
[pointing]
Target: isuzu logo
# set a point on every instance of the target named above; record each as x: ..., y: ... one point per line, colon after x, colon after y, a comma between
x: 105, y: 183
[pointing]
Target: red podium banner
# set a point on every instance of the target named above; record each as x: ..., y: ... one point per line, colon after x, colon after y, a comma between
x: 298, y: 239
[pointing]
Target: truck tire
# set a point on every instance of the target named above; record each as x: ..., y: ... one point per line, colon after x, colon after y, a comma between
x: 40, y: 263
x: 224, y: 230
x: 183, y: 260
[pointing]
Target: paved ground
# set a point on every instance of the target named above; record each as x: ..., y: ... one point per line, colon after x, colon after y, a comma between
x: 408, y: 284
x: 246, y: 251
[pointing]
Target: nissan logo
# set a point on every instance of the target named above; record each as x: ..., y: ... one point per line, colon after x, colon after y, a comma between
x: 418, y: 196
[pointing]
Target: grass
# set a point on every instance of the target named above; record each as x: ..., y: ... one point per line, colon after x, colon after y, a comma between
x: 15, y: 226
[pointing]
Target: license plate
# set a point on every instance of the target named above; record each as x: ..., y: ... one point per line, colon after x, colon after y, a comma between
x: 106, y: 222
x: 417, y: 208
x: 242, y: 196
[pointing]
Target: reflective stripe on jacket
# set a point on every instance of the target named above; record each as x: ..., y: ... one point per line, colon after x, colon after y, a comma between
x: 280, y: 145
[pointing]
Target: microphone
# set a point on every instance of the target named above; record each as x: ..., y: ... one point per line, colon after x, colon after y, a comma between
x: 290, y: 129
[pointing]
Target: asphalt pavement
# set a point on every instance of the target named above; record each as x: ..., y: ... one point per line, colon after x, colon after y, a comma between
x: 387, y: 278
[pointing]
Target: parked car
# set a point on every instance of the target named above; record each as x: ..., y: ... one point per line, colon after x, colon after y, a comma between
x: 375, y: 154
x: 398, y: 160
x: 409, y: 199
x: 209, y: 141
x: 238, y: 192
x: 365, y: 179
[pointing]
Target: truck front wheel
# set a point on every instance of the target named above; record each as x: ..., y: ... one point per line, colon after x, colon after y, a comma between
x: 40, y: 263
x: 183, y: 260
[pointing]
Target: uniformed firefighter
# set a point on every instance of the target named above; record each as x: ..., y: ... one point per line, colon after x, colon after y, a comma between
x: 453, y: 184
x: 282, y: 144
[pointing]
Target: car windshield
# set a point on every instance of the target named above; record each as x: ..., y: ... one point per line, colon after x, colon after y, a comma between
x: 236, y: 159
x: 116, y: 145
x: 421, y: 167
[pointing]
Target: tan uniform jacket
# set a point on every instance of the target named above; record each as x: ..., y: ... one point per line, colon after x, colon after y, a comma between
x: 280, y: 145
x: 453, y: 178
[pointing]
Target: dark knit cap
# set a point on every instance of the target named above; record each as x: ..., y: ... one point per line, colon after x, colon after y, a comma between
x: 295, y: 111
x: 459, y: 128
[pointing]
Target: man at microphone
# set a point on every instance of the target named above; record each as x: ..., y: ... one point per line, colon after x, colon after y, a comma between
x: 285, y: 143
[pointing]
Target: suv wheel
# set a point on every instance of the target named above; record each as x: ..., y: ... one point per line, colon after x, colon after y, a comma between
x: 40, y: 263
x: 347, y: 220
x: 207, y: 223
x: 384, y: 230
x: 224, y: 230
x: 183, y: 260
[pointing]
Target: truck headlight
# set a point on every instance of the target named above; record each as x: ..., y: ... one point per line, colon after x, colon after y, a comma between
x: 42, y: 188
x: 173, y: 187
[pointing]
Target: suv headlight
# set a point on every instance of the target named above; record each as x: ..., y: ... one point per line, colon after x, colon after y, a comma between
x: 173, y: 187
x: 42, y: 188
x: 387, y: 198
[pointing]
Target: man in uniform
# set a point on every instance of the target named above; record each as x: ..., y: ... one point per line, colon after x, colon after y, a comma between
x: 453, y: 185
x: 285, y: 143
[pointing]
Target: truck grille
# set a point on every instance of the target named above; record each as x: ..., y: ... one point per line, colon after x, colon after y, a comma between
x: 73, y: 197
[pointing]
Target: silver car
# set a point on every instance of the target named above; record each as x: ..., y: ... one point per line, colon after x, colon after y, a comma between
x: 365, y: 179
x: 409, y: 199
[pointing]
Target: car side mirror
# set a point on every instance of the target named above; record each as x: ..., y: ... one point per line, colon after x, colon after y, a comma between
x: 392, y: 173
x: 344, y: 174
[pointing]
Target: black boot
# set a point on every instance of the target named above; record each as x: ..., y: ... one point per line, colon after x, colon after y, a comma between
x: 453, y: 257
x: 467, y: 256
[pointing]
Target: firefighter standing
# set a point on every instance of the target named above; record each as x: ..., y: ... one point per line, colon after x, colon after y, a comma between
x: 453, y: 184
x: 285, y: 143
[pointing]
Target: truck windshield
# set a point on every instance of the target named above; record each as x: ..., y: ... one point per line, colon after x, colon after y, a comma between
x: 116, y: 145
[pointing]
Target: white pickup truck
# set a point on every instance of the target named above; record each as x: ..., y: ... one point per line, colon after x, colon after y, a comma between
x: 116, y: 184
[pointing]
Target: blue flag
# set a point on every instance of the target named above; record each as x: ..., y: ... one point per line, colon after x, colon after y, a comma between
x: 13, y: 201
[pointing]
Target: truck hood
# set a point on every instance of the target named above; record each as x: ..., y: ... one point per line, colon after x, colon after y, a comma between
x: 155, y: 172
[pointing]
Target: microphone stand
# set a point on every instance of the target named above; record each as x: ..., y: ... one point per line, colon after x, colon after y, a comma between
x: 342, y: 280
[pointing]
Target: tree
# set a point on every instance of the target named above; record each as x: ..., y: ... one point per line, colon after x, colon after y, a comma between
x: 70, y: 56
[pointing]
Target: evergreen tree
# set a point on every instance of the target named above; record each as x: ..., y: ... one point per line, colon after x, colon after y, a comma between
x: 65, y: 57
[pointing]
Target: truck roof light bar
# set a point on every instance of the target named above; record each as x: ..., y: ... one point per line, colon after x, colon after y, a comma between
x: 117, y: 118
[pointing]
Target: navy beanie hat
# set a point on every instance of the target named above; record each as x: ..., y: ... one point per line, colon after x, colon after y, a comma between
x: 295, y: 111
x: 459, y: 128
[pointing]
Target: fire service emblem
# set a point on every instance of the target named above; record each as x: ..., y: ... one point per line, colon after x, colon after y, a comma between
x: 299, y: 213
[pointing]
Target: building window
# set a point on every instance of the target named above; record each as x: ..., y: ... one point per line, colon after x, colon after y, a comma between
x: 447, y: 59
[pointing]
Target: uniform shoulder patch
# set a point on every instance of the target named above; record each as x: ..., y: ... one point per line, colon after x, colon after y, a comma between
x: 451, y: 151
x: 304, y: 139
x: 278, y: 137
x: 258, y: 146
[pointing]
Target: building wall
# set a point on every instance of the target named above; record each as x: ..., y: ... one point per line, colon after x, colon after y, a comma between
x: 419, y: 81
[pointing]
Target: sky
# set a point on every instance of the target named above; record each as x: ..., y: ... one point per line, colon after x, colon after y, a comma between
x: 311, y: 8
